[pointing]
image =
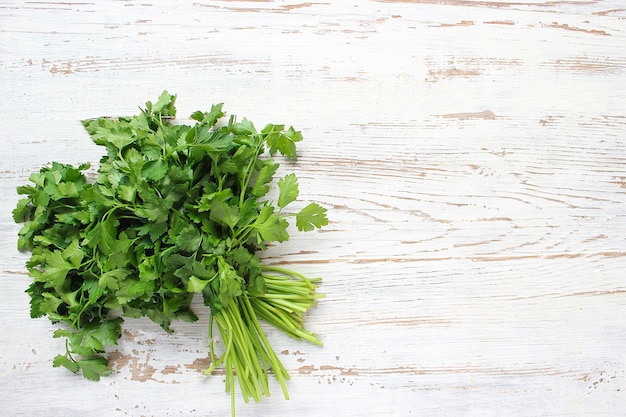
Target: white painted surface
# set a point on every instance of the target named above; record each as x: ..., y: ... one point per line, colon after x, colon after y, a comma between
x: 471, y: 154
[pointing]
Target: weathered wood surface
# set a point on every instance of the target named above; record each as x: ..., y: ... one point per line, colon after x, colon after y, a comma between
x: 471, y: 154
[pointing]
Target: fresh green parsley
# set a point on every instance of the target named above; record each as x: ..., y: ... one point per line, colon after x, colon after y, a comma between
x: 175, y: 210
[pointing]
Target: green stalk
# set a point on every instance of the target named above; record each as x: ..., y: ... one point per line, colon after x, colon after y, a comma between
x: 248, y: 355
x: 277, y: 318
x: 279, y: 370
x: 287, y: 272
x: 248, y: 173
x: 287, y: 297
x: 288, y: 324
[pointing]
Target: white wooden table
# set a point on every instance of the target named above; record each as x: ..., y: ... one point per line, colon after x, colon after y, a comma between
x: 471, y: 153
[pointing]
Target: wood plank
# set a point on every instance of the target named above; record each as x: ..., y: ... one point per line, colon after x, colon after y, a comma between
x: 472, y: 158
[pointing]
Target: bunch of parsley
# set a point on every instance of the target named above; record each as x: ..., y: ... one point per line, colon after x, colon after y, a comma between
x: 174, y: 210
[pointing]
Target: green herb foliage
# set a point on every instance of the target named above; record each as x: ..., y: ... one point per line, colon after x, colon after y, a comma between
x: 174, y: 210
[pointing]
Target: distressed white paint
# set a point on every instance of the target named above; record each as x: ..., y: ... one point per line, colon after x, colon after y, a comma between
x: 472, y: 157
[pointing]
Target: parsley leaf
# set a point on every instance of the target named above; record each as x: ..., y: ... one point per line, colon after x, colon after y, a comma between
x: 270, y: 226
x: 311, y: 217
x: 288, y: 187
x: 94, y: 368
x: 60, y: 360
x: 265, y: 176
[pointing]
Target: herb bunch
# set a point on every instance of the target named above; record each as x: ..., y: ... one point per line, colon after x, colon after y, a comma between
x: 175, y: 210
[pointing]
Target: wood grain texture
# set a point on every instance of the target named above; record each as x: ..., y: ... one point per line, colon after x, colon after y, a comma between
x: 472, y: 157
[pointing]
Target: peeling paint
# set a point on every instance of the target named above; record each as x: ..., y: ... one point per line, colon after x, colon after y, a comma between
x: 485, y: 115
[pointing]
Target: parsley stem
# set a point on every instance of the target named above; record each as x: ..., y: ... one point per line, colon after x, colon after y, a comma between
x: 287, y: 272
x: 274, y: 316
x: 248, y: 355
x: 248, y: 173
x: 279, y: 371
